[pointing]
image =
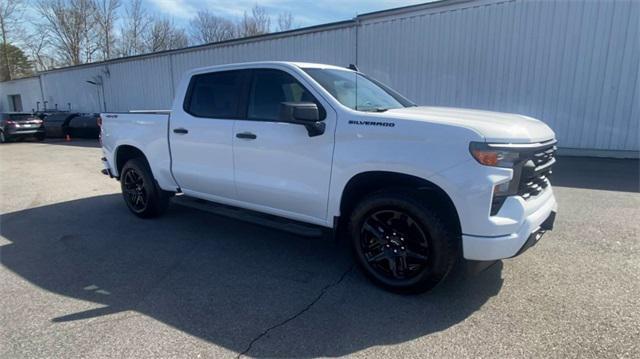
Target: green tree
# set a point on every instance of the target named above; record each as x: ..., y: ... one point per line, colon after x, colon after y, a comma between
x: 19, y: 64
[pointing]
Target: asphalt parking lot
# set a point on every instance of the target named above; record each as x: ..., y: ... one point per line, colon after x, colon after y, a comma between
x: 81, y: 277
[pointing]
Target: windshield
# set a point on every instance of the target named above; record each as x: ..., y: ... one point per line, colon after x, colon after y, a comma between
x: 357, y: 91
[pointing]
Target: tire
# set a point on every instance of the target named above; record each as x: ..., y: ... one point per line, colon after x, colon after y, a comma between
x: 40, y: 138
x: 140, y: 192
x: 401, y: 243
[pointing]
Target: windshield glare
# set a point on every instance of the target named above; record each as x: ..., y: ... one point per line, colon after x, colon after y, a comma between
x: 357, y: 91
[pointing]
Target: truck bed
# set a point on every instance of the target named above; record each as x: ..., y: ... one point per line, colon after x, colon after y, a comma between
x: 146, y: 130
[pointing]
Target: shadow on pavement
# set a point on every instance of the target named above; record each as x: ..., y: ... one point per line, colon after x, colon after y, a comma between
x: 224, y: 281
x: 597, y: 173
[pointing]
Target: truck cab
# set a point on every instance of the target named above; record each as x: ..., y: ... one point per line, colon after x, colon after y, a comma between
x: 415, y: 188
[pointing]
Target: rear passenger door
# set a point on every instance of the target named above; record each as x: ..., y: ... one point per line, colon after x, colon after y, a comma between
x: 201, y: 133
x: 280, y: 169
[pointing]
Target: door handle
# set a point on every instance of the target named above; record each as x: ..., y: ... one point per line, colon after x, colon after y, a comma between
x: 182, y: 131
x: 246, y: 135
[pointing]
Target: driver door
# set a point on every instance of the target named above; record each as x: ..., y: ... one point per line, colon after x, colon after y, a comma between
x: 279, y: 169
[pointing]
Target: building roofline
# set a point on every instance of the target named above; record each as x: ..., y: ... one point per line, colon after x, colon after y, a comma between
x: 272, y: 35
x: 410, y: 8
x: 439, y: 4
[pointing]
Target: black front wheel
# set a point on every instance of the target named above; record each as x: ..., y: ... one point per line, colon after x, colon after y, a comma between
x: 141, y: 194
x: 400, y: 242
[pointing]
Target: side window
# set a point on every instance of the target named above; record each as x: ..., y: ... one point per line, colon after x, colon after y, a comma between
x: 271, y: 87
x: 216, y: 94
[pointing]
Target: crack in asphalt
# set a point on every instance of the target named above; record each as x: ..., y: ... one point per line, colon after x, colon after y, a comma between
x: 324, y: 290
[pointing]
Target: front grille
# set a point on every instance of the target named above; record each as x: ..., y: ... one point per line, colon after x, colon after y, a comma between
x: 536, y: 171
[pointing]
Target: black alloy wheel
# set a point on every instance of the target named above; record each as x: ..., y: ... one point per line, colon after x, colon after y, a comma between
x: 141, y: 193
x: 135, y: 193
x: 394, y: 244
x: 401, y: 242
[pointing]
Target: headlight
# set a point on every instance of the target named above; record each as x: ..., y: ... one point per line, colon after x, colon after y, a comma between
x: 487, y: 155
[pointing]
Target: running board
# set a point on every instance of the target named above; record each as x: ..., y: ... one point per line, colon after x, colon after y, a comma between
x: 261, y: 219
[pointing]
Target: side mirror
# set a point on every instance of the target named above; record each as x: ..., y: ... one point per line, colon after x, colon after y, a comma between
x: 303, y: 113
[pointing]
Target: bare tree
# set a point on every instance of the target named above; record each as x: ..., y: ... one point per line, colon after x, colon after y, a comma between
x: 135, y: 26
x: 179, y: 39
x: 36, y: 46
x: 285, y: 21
x: 106, y: 15
x: 258, y: 22
x: 164, y: 35
x: 207, y: 27
x: 10, y: 12
x: 70, y: 26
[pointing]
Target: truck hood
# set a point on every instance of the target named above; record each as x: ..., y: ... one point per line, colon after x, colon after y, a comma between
x: 493, y: 126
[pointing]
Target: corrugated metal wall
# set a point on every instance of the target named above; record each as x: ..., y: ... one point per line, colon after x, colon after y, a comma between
x: 70, y: 87
x: 573, y: 64
x: 28, y: 89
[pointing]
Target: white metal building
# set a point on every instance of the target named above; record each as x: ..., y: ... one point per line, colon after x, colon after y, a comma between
x: 571, y: 63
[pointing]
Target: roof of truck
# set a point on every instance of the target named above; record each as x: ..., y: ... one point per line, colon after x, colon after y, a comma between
x: 315, y: 65
x: 266, y: 63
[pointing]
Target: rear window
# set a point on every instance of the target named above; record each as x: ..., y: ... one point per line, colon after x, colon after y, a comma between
x: 216, y: 95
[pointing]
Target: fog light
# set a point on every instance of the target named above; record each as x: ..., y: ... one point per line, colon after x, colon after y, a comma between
x: 500, y: 194
x: 501, y: 189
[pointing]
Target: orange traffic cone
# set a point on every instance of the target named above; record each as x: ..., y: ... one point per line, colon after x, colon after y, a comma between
x: 67, y: 138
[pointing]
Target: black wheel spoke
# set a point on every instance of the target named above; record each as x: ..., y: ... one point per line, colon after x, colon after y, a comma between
x: 379, y: 224
x: 414, y: 255
x: 402, y: 264
x: 143, y: 200
x: 392, y: 267
x: 378, y: 257
x: 377, y: 237
x: 394, y: 244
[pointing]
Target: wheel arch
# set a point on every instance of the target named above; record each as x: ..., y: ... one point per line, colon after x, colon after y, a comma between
x: 124, y: 153
x: 368, y: 182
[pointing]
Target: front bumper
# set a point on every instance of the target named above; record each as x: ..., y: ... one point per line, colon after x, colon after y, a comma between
x: 485, y: 248
x: 535, y: 237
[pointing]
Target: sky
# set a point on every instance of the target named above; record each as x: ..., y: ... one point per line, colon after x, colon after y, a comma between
x: 305, y: 12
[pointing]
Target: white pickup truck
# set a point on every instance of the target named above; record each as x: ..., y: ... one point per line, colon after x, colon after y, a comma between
x: 414, y: 188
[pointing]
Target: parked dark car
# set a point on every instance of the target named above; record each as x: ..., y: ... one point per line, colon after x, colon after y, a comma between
x: 84, y: 126
x: 56, y: 123
x: 18, y: 125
